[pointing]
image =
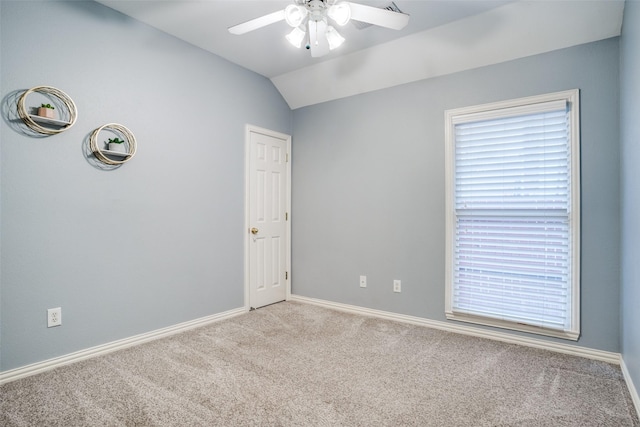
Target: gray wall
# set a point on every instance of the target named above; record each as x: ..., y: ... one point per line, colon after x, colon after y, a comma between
x: 630, y: 188
x: 368, y: 186
x: 153, y: 243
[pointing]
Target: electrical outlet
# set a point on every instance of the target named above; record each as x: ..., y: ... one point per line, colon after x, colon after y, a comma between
x: 397, y: 286
x: 54, y: 317
x: 363, y: 281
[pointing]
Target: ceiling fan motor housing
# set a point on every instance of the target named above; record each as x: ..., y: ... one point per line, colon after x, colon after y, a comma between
x: 316, y: 10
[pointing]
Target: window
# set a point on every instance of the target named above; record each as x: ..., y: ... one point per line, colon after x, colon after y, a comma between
x: 513, y: 214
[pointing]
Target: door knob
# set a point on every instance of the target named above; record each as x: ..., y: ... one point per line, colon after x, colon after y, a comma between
x: 254, y: 230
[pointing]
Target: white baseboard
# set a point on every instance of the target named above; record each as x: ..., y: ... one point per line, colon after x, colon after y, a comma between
x: 588, y: 353
x: 36, y: 368
x: 632, y: 388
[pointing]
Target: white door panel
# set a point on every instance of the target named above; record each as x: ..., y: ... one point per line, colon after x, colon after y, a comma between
x: 267, y: 218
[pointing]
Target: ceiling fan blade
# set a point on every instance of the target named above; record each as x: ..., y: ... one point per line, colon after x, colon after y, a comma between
x: 256, y: 23
x: 381, y: 17
x: 318, y: 39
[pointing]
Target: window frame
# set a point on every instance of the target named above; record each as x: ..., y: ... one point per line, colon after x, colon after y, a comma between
x: 504, y: 109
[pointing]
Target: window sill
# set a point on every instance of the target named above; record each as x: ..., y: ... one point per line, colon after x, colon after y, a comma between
x: 503, y: 324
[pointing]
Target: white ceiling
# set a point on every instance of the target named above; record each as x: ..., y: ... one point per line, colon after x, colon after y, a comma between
x: 443, y: 36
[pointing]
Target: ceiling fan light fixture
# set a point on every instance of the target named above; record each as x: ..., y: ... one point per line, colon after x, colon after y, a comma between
x: 296, y: 36
x: 340, y: 13
x: 334, y: 38
x: 294, y: 15
x: 310, y: 21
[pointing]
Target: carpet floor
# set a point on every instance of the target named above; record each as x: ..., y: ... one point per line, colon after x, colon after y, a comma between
x: 294, y: 364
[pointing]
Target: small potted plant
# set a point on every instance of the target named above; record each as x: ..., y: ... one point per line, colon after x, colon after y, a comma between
x: 46, y: 110
x: 116, y: 144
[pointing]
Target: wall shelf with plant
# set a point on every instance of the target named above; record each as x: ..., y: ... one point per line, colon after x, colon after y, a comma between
x: 46, y: 113
x: 116, y: 150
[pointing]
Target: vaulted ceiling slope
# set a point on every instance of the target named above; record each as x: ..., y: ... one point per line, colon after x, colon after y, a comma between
x: 442, y: 37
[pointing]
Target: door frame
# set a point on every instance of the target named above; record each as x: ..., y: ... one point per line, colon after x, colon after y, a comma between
x: 247, y: 236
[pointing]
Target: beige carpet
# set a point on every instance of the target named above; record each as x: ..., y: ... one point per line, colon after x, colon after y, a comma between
x: 293, y: 364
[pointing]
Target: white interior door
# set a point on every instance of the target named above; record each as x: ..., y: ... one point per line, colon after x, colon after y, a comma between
x: 267, y: 206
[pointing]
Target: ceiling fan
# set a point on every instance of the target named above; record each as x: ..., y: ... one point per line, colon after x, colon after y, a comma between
x: 311, y: 22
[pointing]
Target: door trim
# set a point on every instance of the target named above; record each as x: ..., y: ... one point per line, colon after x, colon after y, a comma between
x: 247, y: 158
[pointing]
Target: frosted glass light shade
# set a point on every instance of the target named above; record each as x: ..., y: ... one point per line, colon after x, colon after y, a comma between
x: 296, y: 36
x: 334, y: 38
x: 340, y: 13
x: 294, y: 15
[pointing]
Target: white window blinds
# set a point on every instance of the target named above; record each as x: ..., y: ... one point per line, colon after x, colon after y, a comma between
x: 512, y: 218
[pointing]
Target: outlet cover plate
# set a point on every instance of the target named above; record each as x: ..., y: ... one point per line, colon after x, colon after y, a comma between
x: 397, y: 286
x: 54, y: 317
